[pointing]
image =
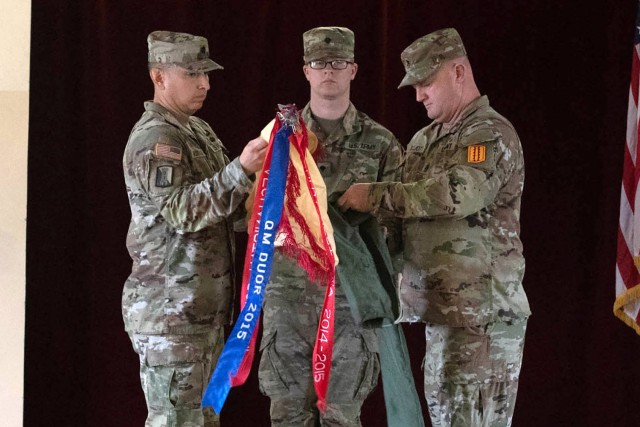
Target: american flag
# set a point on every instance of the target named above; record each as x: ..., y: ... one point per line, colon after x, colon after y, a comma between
x: 627, y: 303
x: 168, y: 151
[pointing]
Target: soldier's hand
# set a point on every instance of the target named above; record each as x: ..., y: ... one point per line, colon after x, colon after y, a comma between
x: 252, y: 157
x: 357, y: 198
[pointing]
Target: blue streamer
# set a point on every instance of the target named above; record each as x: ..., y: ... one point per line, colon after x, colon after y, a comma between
x: 238, y: 342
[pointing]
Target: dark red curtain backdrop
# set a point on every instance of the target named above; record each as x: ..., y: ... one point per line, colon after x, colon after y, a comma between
x: 559, y: 70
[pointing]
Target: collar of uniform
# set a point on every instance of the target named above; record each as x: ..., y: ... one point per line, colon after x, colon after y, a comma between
x: 350, y: 122
x: 169, y: 117
x: 478, y: 103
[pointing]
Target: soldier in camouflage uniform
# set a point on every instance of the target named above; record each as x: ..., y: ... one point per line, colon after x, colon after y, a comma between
x: 183, y: 192
x: 463, y: 265
x: 354, y: 148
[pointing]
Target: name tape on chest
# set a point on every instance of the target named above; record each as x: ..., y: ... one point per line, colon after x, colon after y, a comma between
x: 168, y: 151
x: 362, y: 146
x: 476, y: 153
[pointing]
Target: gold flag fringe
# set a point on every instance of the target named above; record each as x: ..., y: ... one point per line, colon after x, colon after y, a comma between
x: 629, y: 296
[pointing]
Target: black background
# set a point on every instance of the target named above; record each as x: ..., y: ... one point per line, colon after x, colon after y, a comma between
x: 558, y: 70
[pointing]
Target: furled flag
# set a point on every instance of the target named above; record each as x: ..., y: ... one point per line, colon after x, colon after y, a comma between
x: 627, y: 303
x: 289, y: 210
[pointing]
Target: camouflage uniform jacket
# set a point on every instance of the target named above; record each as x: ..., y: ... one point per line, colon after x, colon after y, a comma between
x: 182, y: 192
x: 359, y: 150
x: 460, y: 203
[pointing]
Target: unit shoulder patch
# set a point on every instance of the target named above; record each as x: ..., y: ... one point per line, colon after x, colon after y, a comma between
x: 164, y: 176
x: 476, y: 153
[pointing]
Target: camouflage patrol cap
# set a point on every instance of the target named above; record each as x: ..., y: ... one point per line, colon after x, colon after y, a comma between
x: 425, y: 55
x: 182, y: 49
x: 328, y: 43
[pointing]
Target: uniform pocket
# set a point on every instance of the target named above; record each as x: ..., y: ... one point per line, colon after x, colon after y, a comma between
x: 270, y: 371
x: 173, y: 370
x: 370, y: 366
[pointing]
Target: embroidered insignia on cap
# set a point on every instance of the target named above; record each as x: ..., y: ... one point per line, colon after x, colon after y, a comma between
x: 168, y: 151
x: 476, y: 153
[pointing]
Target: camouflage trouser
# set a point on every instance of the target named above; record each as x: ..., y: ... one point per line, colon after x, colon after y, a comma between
x: 174, y: 371
x: 471, y: 373
x: 285, y: 367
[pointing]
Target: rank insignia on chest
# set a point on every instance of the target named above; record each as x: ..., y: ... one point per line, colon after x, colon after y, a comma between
x: 168, y: 151
x: 476, y: 153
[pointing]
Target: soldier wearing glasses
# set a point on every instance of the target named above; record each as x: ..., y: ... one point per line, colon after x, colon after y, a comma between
x: 353, y: 148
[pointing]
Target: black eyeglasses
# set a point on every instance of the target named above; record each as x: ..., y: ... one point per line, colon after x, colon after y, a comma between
x: 336, y: 64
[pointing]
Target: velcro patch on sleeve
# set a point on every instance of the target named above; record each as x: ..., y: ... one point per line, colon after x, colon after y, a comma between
x: 164, y: 176
x: 476, y: 153
x: 168, y: 151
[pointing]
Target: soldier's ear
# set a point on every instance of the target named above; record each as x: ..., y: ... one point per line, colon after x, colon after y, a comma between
x: 157, y: 77
x: 460, y: 71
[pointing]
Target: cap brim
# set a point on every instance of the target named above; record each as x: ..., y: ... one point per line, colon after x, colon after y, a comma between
x: 408, y: 80
x: 203, y: 65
